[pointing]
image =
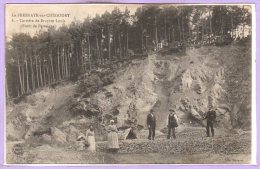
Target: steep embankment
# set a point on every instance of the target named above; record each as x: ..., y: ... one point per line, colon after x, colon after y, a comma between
x: 189, y: 83
x: 220, y: 76
x: 33, y: 111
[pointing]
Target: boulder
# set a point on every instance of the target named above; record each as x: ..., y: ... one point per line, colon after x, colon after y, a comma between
x: 122, y: 135
x: 195, y: 114
x: 58, y: 136
x: 199, y: 87
x: 31, y: 131
x: 73, y: 133
x: 46, y: 138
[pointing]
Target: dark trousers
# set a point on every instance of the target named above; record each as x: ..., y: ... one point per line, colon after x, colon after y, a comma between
x: 210, y: 125
x: 151, y: 132
x: 171, y: 128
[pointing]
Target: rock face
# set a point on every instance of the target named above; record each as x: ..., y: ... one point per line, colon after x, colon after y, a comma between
x: 23, y: 119
x: 126, y: 92
x: 189, y: 83
x: 58, y: 136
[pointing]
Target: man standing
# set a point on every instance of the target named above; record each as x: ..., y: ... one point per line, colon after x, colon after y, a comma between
x: 172, y: 123
x: 211, y: 117
x: 151, y: 124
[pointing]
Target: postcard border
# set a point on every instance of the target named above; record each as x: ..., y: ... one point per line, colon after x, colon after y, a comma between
x: 255, y: 66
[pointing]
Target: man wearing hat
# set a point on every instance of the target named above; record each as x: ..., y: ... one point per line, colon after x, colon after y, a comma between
x: 172, y: 123
x: 151, y: 124
x: 211, y: 118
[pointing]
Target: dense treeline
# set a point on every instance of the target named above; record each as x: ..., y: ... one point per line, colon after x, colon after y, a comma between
x: 51, y: 56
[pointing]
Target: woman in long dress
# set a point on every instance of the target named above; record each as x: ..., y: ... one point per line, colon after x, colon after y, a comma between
x: 90, y: 137
x: 112, y: 137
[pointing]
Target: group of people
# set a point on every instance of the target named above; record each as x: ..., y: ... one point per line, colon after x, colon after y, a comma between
x: 172, y: 123
x: 89, y: 139
x: 112, y: 138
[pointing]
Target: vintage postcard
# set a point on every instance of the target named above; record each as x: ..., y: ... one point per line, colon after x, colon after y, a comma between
x: 129, y: 84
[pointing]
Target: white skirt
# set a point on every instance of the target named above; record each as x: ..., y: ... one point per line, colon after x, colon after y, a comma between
x: 92, y: 143
x: 112, y: 140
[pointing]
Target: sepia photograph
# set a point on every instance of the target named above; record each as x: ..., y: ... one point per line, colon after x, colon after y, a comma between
x: 129, y: 84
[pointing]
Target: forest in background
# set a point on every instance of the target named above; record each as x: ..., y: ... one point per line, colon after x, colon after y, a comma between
x: 47, y: 58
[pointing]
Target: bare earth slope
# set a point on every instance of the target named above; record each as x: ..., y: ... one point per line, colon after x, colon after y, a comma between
x: 43, y: 127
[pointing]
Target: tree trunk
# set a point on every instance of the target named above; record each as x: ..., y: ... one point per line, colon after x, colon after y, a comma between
x: 61, y: 63
x: 32, y: 74
x: 44, y: 73
x: 101, y: 52
x: 109, y: 47
x: 173, y: 34
x: 37, y: 71
x: 124, y: 48
x: 41, y: 78
x: 82, y: 54
x: 197, y: 34
x: 120, y: 50
x: 179, y: 27
x: 66, y: 63
x: 58, y: 71
x: 47, y: 74
x: 232, y: 25
x: 202, y: 33
x: 169, y: 34
x: 221, y: 28
x: 243, y: 24
x: 27, y: 73
x: 17, y: 87
x: 190, y: 33
x: 146, y: 43
x: 52, y: 70
x: 69, y: 61
x: 23, y: 77
x: 165, y: 28
x: 142, y: 41
x: 182, y: 26
x: 89, y: 57
x: 127, y: 47
x: 77, y: 57
x: 20, y: 77
x: 210, y: 26
x: 98, y: 51
x: 156, y: 33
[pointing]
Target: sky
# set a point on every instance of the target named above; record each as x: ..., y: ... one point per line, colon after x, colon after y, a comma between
x: 17, y: 19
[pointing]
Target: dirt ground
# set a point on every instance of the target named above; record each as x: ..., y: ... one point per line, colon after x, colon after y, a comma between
x: 83, y: 157
x: 190, y: 147
x: 156, y: 158
x: 58, y: 156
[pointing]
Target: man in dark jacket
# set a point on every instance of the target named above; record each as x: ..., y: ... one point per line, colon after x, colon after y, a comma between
x: 172, y: 123
x: 151, y: 124
x: 211, y: 117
